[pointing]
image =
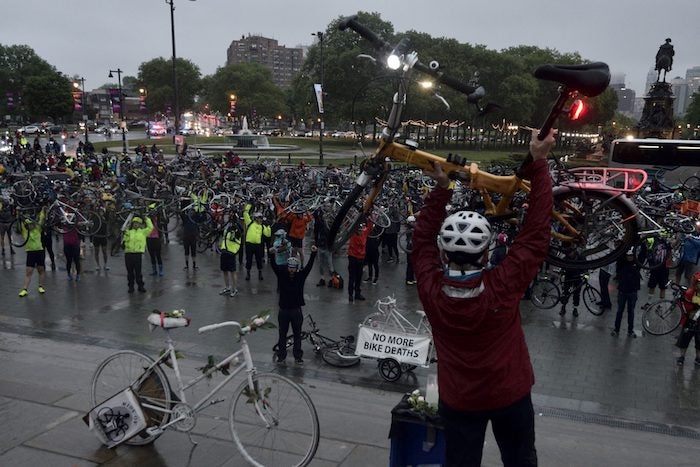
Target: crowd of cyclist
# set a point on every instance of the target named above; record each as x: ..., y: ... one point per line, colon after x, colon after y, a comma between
x: 240, y: 208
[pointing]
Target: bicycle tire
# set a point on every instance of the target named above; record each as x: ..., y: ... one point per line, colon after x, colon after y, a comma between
x: 116, y: 247
x: 592, y: 298
x: 276, y: 442
x: 126, y: 369
x: 341, y: 355
x: 90, y: 225
x: 545, y: 293
x: 389, y: 369
x: 606, y: 228
x: 16, y: 238
x: 661, y: 317
x: 345, y: 221
x: 692, y: 187
x: 404, y: 243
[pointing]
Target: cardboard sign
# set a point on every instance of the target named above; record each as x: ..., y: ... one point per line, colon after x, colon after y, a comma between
x: 117, y: 419
x: 405, y: 348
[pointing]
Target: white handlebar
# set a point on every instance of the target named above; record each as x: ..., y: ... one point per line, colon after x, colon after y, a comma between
x: 211, y: 327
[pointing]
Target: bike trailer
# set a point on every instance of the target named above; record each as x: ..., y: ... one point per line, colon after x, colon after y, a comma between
x: 117, y: 419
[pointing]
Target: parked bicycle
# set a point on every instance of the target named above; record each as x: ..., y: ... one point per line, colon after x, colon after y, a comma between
x: 272, y: 419
x: 339, y: 353
x: 546, y: 291
x: 664, y: 316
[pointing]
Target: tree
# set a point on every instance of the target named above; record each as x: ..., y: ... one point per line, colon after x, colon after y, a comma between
x: 253, y: 87
x: 156, y: 76
x: 49, y: 96
x: 44, y: 92
x: 344, y: 73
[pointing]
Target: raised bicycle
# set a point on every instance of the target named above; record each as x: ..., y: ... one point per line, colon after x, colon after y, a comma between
x: 590, y: 216
x: 272, y: 419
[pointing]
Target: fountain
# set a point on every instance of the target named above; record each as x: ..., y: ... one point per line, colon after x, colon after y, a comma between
x: 245, y: 139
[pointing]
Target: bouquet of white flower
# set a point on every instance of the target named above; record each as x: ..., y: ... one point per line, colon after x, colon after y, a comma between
x: 420, y: 405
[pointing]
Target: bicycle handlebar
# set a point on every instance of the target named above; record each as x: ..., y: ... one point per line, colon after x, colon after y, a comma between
x: 473, y: 93
x: 224, y: 324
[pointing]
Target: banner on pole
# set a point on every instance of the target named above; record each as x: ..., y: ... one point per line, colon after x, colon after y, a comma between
x: 319, y: 97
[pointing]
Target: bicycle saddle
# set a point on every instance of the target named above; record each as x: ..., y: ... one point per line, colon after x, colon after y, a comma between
x: 589, y: 79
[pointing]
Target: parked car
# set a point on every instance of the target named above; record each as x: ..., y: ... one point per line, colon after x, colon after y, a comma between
x: 156, y: 129
x: 30, y: 129
x: 139, y: 124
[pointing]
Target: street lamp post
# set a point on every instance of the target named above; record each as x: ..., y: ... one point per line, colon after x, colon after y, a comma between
x: 319, y: 34
x: 175, y: 90
x: 82, y: 102
x: 122, y: 123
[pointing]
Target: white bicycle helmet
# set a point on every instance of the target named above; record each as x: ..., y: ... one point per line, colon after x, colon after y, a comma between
x: 293, y: 262
x: 465, y: 232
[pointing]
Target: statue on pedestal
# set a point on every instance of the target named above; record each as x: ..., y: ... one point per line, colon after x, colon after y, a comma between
x: 657, y: 116
x: 664, y: 59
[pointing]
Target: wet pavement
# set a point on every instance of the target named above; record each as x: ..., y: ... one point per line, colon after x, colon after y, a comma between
x: 601, y: 399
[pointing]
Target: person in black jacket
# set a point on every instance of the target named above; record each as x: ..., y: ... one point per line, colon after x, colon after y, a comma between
x: 628, y: 284
x: 291, y: 287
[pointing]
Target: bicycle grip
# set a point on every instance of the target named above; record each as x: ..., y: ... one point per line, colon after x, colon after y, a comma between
x: 211, y: 327
x: 352, y: 23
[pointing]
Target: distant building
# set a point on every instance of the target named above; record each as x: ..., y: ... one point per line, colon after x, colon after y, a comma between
x: 680, y: 94
x: 283, y: 62
x: 692, y: 77
x: 625, y: 95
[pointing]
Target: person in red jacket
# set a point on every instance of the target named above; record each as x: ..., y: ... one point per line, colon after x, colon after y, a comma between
x: 298, y: 224
x: 484, y: 369
x: 357, y: 246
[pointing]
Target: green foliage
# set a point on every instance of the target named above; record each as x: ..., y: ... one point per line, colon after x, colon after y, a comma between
x: 156, y: 76
x: 357, y: 89
x: 252, y: 85
x: 44, y: 91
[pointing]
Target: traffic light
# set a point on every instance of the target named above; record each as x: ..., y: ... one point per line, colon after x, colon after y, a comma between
x: 233, y: 106
x: 77, y: 101
x: 142, y: 103
x: 10, y: 100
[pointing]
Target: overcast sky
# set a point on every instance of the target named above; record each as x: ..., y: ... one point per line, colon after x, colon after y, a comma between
x: 90, y: 37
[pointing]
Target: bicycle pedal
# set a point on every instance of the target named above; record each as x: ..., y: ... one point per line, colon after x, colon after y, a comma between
x: 154, y: 431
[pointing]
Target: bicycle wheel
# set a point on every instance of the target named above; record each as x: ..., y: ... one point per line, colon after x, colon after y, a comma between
x: 544, y: 293
x: 405, y: 242
x: 346, y: 220
x: 289, y: 343
x: 127, y: 369
x: 274, y: 422
x: 661, y: 317
x: 18, y: 240
x: 692, y: 187
x: 592, y: 299
x: 595, y: 224
x: 390, y: 369
x: 88, y: 224
x: 116, y: 245
x: 341, y: 355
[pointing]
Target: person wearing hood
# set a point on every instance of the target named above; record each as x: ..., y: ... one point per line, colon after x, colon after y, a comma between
x: 134, y: 240
x: 484, y: 369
